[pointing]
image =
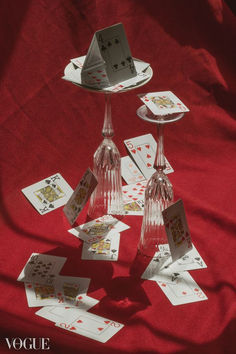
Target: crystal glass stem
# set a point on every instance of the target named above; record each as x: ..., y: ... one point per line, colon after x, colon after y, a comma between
x: 107, y: 196
x: 158, y: 196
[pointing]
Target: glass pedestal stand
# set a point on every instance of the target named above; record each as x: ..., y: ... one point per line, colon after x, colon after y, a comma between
x: 107, y: 196
x: 159, y: 192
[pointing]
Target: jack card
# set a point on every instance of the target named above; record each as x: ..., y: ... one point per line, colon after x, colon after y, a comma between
x: 183, y: 291
x: 98, y: 229
x: 42, y: 269
x: 177, y: 230
x: 91, y: 326
x: 163, y: 103
x: 48, y: 194
x: 104, y: 250
x: 80, y: 196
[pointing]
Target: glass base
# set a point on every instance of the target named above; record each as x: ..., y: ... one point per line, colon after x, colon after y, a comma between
x: 107, y: 196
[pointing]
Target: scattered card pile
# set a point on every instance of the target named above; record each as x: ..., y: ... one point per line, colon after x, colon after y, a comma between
x: 108, y: 65
x: 169, y: 266
x: 101, y: 238
x: 64, y: 299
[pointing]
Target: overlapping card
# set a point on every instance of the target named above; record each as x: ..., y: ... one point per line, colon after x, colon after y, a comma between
x: 108, y: 64
x: 80, y: 196
x: 169, y: 266
x: 142, y: 149
x: 163, y: 103
x: 101, y: 238
x: 64, y: 298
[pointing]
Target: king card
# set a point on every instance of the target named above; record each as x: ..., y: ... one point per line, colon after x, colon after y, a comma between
x: 48, y: 194
x: 80, y: 196
x: 42, y: 269
x: 91, y: 326
x: 177, y: 230
x: 163, y: 103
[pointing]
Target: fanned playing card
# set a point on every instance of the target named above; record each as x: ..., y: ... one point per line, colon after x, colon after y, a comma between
x: 48, y: 194
x: 91, y: 326
x: 109, y: 60
x: 177, y: 230
x: 163, y: 103
x: 80, y: 196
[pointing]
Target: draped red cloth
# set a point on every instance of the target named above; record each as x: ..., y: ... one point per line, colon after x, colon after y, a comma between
x: 48, y: 125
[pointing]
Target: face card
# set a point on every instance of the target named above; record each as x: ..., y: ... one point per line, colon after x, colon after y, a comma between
x: 177, y: 230
x: 66, y: 291
x: 134, y: 192
x: 80, y: 196
x: 48, y: 194
x: 98, y: 229
x: 61, y: 313
x: 134, y: 208
x: 163, y: 103
x: 130, y: 172
x: 42, y: 269
x: 91, y: 326
x: 183, y: 291
x: 115, y: 51
x: 104, y: 250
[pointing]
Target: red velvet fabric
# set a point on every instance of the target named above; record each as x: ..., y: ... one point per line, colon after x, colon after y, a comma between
x: 48, y: 125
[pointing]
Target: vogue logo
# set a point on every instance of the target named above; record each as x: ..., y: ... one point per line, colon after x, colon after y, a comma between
x: 28, y: 343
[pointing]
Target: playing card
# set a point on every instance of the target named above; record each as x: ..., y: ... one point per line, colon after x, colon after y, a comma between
x: 143, y: 150
x: 60, y: 313
x: 99, y: 228
x: 177, y: 230
x: 78, y: 62
x: 69, y: 291
x: 42, y: 269
x: 134, y: 192
x: 48, y: 194
x: 184, y: 290
x: 80, y: 196
x: 104, y: 250
x: 134, y: 208
x: 115, y: 51
x: 190, y: 261
x: 130, y: 172
x: 162, y: 103
x: 96, y: 76
x: 91, y: 326
x: 161, y: 267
